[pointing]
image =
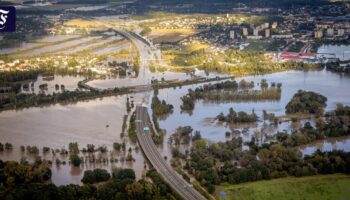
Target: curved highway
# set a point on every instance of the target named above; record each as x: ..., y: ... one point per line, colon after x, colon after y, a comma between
x: 184, y: 189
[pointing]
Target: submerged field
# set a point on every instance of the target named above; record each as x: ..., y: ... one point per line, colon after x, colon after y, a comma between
x: 315, y: 187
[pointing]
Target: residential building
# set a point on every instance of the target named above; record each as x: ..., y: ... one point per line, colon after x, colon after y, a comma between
x: 256, y: 32
x: 318, y: 34
x: 330, y: 32
x: 267, y: 33
x: 232, y: 34
x: 274, y: 25
x: 266, y: 25
x: 341, y: 32
x: 245, y: 32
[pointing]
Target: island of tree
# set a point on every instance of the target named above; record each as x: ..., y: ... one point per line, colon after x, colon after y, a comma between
x: 307, y: 102
x: 240, y: 117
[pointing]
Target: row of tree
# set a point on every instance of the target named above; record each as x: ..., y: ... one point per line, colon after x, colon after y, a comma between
x: 29, y: 181
x: 231, y: 91
x: 240, y: 117
x: 213, y: 164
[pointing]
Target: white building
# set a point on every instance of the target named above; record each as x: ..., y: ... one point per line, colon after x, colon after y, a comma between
x: 281, y: 36
x: 232, y: 34
x: 254, y: 37
x: 274, y: 25
x: 256, y: 32
x: 266, y: 25
x: 330, y: 32
x: 341, y: 32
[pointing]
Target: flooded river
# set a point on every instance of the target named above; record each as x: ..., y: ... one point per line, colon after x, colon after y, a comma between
x: 97, y: 122
x: 332, y: 85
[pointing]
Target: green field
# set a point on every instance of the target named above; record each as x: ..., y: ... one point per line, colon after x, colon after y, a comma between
x: 332, y: 187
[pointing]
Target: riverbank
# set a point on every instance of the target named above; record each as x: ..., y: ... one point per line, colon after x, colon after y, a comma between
x: 21, y: 101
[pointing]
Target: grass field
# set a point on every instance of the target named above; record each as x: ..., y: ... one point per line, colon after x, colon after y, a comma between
x: 171, y: 35
x: 82, y: 23
x: 332, y: 187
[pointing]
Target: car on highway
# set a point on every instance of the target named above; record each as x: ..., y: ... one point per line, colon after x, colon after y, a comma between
x: 146, y: 129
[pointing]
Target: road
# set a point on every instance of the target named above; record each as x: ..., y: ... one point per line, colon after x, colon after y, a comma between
x: 184, y: 189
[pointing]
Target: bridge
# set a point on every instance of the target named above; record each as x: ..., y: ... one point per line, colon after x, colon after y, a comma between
x: 184, y: 189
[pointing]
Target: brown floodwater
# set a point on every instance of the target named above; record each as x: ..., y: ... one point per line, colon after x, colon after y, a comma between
x: 70, y: 83
x: 97, y: 122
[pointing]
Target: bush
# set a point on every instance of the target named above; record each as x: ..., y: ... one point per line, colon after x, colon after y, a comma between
x: 123, y: 174
x: 95, y: 176
x: 75, y: 159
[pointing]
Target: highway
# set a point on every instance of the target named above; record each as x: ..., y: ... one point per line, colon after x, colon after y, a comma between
x: 184, y: 189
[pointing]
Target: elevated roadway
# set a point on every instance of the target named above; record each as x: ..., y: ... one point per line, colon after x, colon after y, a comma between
x: 184, y: 189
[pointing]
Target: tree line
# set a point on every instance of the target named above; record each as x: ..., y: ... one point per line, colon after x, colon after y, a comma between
x: 29, y: 181
x: 213, y: 164
x: 240, y: 117
x: 231, y: 91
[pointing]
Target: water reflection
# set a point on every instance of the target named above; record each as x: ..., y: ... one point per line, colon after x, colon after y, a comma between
x: 329, y: 84
x: 51, y: 84
x: 330, y: 144
x: 85, y: 122
x: 58, y: 125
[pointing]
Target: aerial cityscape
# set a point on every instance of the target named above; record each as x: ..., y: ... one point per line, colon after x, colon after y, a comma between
x: 174, y: 99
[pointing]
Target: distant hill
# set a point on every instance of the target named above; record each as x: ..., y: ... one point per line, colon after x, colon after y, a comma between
x: 218, y: 6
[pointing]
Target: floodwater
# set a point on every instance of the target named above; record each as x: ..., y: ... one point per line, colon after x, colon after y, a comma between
x: 340, y: 51
x: 330, y: 144
x: 70, y: 83
x: 60, y: 46
x: 122, y: 44
x: 97, y: 122
x: 332, y: 85
x: 132, y: 81
x: 92, y: 45
x: 22, y: 46
x: 28, y: 45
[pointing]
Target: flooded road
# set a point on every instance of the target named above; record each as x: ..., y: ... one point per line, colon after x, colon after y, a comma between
x: 99, y: 121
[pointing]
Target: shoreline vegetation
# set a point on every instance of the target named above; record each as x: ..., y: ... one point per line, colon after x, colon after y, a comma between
x: 279, y: 157
x: 231, y: 91
x: 329, y: 125
x: 18, y: 101
x: 23, y: 180
x: 73, y: 155
x: 238, y: 63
